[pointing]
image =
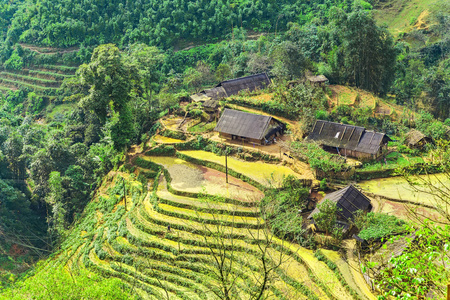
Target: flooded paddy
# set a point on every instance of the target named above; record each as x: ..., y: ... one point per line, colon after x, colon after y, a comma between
x: 399, y: 188
x: 193, y: 178
x: 264, y: 173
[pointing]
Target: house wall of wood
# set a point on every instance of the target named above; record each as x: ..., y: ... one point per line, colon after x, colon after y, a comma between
x: 240, y: 138
x: 361, y: 155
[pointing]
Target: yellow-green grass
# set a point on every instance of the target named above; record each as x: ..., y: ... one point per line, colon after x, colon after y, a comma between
x: 189, y: 214
x: 189, y: 226
x: 293, y: 267
x: 297, y: 271
x: 31, y: 86
x: 264, y: 173
x: 62, y: 109
x: 201, y: 204
x: 344, y: 269
x: 399, y: 188
x: 166, y: 140
x: 31, y: 79
x: 104, y: 266
x: 192, y: 178
x: 318, y: 268
x: 171, y: 281
x: 401, y: 15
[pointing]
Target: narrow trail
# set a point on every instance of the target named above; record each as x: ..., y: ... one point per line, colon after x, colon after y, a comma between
x: 350, y: 245
x: 49, y: 50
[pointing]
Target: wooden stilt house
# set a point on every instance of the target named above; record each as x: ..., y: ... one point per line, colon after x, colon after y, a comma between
x: 349, y: 140
x: 247, y: 127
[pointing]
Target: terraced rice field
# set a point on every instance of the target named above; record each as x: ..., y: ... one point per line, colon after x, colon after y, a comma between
x: 264, y: 173
x: 137, y: 246
x: 188, y: 177
x: 166, y: 140
x: 44, y: 80
x: 399, y: 188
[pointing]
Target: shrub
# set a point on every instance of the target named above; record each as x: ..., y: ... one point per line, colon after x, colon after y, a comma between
x: 378, y: 225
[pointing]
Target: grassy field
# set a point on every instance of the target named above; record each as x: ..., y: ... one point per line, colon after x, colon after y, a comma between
x: 402, y: 15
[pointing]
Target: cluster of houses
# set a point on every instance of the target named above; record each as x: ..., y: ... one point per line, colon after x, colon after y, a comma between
x: 343, y: 139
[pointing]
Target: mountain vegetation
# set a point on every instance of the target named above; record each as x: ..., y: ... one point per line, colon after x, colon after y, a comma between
x: 84, y: 86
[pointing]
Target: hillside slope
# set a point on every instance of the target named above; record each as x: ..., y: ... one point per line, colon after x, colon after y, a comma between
x: 165, y: 241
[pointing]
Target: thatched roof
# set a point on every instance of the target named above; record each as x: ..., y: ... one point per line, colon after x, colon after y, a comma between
x: 348, y: 200
x: 199, y: 97
x: 318, y: 78
x: 211, y: 104
x: 216, y: 93
x: 347, y: 137
x: 413, y: 137
x: 243, y: 124
x: 250, y: 83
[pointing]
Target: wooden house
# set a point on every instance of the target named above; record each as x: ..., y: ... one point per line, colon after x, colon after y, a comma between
x: 348, y: 201
x: 349, y: 140
x: 233, y: 87
x: 247, y: 127
x: 416, y: 139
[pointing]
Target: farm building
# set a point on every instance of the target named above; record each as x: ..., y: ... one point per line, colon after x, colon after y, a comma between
x: 349, y: 140
x: 348, y: 201
x: 233, y: 87
x: 319, y: 80
x: 247, y: 127
x: 416, y: 139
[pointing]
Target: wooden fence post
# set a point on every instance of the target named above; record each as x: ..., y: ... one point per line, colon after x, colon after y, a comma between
x: 448, y: 291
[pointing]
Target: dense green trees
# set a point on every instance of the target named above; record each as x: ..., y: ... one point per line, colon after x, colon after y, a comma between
x: 67, y: 23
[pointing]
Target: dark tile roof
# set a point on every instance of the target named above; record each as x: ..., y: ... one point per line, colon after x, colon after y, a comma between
x: 251, y: 83
x: 243, y: 124
x: 349, y: 137
x: 348, y: 200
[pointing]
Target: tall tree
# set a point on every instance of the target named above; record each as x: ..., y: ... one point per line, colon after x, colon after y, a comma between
x: 369, y: 52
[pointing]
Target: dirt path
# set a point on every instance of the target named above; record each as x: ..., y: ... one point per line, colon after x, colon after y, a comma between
x: 350, y: 245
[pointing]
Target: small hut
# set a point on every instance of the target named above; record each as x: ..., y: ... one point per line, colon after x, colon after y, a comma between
x: 319, y: 80
x: 348, y: 201
x: 416, y: 139
x: 247, y: 127
x: 349, y: 140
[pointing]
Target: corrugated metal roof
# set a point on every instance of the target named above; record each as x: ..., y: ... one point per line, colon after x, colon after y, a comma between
x: 243, y: 124
x: 336, y: 135
x: 250, y: 83
x: 348, y: 200
x: 345, y: 136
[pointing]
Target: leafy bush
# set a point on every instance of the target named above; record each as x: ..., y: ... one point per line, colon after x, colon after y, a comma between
x: 163, y: 150
x: 378, y: 225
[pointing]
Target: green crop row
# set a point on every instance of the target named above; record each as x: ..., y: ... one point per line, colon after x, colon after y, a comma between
x: 66, y: 69
x: 235, y: 212
x: 30, y: 79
